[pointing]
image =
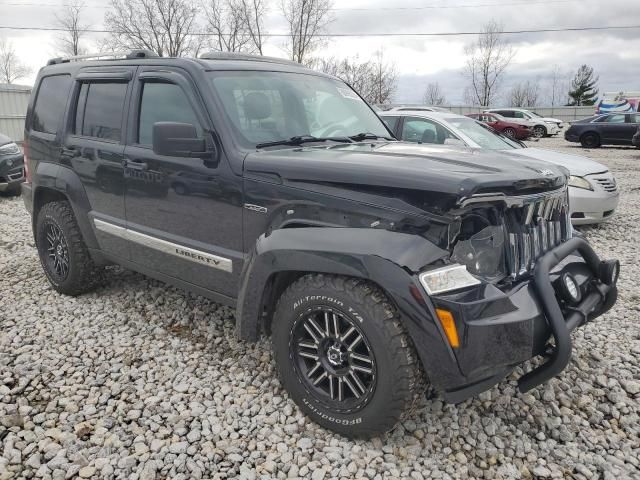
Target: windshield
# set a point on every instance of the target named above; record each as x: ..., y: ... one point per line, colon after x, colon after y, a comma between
x: 483, y: 135
x: 534, y: 114
x: 273, y: 106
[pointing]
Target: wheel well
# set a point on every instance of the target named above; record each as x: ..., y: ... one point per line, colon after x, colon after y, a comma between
x: 280, y: 281
x: 590, y: 132
x: 43, y: 196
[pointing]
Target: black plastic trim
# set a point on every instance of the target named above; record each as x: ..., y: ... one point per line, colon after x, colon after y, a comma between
x: 561, y: 327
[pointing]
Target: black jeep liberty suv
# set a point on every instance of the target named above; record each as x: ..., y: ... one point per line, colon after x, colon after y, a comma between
x: 374, y: 265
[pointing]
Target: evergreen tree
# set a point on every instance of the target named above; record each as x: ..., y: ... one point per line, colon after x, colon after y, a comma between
x: 583, y: 87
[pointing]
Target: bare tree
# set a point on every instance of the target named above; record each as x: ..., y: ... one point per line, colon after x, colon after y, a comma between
x: 11, y: 68
x: 433, y: 95
x: 162, y: 26
x: 236, y: 25
x: 70, y: 22
x: 254, y: 12
x: 307, y: 20
x: 384, y: 80
x: 225, y: 21
x: 558, y: 86
x: 351, y: 70
x: 525, y: 94
x: 487, y: 60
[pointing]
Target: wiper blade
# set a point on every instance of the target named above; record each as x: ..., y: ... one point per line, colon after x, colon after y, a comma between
x: 300, y: 139
x: 368, y: 136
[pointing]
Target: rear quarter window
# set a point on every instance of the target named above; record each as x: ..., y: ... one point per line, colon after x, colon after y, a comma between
x: 50, y: 103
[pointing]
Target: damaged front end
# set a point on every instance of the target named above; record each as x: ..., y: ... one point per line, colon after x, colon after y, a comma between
x: 515, y: 280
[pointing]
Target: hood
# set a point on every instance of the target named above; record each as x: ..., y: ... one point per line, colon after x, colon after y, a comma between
x: 576, y: 164
x: 389, y: 169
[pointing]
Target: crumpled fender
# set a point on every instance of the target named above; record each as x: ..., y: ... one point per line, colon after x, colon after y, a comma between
x: 389, y: 259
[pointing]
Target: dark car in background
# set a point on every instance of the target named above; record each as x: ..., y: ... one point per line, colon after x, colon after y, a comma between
x: 608, y: 129
x: 498, y: 122
x: 11, y: 166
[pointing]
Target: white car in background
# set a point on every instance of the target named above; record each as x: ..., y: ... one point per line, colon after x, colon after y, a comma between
x: 542, y: 126
x: 593, y: 191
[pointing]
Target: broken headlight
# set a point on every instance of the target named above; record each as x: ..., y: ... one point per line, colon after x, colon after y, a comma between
x: 483, y: 253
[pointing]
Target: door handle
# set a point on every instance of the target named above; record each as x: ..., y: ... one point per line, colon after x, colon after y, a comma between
x: 135, y: 164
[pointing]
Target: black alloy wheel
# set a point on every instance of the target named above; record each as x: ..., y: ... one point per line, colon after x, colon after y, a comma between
x: 63, y: 254
x: 57, y: 251
x: 333, y: 358
x: 590, y: 140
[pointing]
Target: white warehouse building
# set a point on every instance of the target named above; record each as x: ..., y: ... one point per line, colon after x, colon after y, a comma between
x: 14, y: 100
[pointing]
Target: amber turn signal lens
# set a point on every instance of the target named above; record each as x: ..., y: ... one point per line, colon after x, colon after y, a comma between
x: 449, y: 326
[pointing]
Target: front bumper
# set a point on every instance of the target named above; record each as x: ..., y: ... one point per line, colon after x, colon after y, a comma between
x: 552, y: 128
x: 592, y: 206
x: 11, y: 171
x: 570, y: 136
x: 503, y: 329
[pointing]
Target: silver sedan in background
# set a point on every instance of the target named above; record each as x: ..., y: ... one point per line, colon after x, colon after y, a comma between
x: 593, y: 191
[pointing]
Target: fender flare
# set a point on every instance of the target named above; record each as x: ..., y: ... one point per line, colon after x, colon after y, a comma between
x: 386, y: 258
x: 51, y: 176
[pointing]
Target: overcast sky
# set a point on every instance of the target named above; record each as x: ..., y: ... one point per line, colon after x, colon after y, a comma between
x: 614, y: 54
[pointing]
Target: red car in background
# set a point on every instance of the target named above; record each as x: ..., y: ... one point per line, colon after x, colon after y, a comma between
x: 503, y: 125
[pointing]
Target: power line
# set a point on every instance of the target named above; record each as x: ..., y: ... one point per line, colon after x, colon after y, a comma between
x: 408, y: 8
x: 382, y: 34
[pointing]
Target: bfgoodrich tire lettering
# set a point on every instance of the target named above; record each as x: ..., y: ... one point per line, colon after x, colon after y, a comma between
x: 397, y: 377
x: 57, y: 232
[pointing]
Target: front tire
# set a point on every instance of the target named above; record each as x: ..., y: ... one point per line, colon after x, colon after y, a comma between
x: 539, y: 131
x: 344, y: 355
x: 509, y: 132
x: 590, y: 140
x: 63, y: 254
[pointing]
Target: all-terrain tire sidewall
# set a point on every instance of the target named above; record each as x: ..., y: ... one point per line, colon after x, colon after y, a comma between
x: 82, y: 275
x: 393, y: 356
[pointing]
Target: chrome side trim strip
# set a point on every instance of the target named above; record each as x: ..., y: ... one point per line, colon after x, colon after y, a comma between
x: 186, y: 253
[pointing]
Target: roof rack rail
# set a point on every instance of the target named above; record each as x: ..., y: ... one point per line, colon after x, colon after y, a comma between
x: 247, y: 57
x: 98, y: 56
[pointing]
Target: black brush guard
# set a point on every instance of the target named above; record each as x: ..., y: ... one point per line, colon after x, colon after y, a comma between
x: 600, y: 296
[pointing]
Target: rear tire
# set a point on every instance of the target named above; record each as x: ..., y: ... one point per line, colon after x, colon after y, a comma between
x: 63, y: 254
x: 590, y: 140
x: 357, y: 391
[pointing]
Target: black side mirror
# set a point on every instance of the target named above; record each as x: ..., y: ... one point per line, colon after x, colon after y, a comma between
x: 175, y: 139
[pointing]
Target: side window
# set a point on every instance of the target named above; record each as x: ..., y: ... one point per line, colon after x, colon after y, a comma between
x: 99, y: 110
x: 50, y: 103
x: 616, y: 118
x: 163, y: 102
x: 392, y: 122
x: 518, y: 115
x: 635, y: 118
x: 419, y: 130
x: 507, y: 113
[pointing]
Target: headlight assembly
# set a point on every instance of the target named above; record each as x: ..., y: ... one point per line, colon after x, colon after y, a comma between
x: 580, y: 182
x: 9, y: 149
x: 451, y: 277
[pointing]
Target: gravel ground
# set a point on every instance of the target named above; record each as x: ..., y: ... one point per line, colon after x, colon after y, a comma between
x: 140, y: 380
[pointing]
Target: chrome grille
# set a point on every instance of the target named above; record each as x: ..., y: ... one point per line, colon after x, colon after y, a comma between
x: 607, y: 183
x: 535, y: 225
